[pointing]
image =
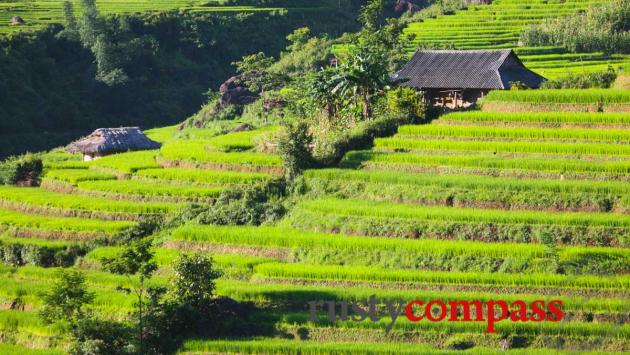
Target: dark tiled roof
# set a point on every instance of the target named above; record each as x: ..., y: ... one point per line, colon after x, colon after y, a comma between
x: 113, y: 140
x: 479, y: 69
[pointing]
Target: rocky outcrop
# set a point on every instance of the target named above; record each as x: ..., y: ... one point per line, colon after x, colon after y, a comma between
x: 234, y: 92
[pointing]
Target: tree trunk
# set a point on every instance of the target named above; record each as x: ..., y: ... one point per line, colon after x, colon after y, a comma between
x: 365, y: 103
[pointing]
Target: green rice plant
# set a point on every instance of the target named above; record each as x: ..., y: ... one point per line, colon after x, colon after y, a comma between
x: 14, y: 219
x: 165, y: 258
x: 149, y: 189
x: 470, y: 181
x: 311, y: 347
x: 503, y: 147
x: 195, y: 150
x: 162, y: 134
x: 127, y: 162
x: 291, y: 238
x: 373, y: 274
x: 573, y: 96
x: 29, y: 198
x: 302, y: 347
x: 571, y: 329
x: 475, y: 132
x: 553, y: 118
x: 462, y: 255
x: 402, y: 211
x: 240, y: 141
x: 201, y: 176
x: 295, y: 296
x: 489, y: 161
x: 27, y: 322
x: 75, y: 176
x: 16, y: 349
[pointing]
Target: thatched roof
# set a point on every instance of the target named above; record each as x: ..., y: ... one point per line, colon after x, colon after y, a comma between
x: 113, y: 140
x: 472, y: 69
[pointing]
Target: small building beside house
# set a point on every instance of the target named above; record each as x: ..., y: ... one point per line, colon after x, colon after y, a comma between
x: 457, y: 78
x: 106, y: 141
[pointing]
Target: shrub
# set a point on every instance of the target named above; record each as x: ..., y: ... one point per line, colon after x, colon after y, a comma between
x: 600, y: 79
x: 360, y: 137
x: 19, y: 254
x: 406, y: 104
x: 252, y: 205
x: 25, y: 169
x: 603, y: 27
x: 294, y: 146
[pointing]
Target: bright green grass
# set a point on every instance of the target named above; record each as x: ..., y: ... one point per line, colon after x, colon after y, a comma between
x: 620, y: 136
x: 304, y: 347
x: 75, y: 176
x: 166, y: 257
x: 240, y: 141
x: 202, y: 176
x: 503, y: 147
x: 40, y: 13
x: 469, y: 181
x: 572, y: 96
x: 196, y: 150
x: 467, y: 215
x: 128, y: 162
x: 539, y: 117
x: 300, y: 295
x: 489, y: 161
x: 370, y: 274
x: 291, y: 238
x: 34, y: 241
x: 150, y: 189
x: 162, y: 134
x: 16, y: 349
x: 21, y: 196
x: 23, y: 220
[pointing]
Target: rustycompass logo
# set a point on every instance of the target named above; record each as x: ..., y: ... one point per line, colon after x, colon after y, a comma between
x: 491, y: 312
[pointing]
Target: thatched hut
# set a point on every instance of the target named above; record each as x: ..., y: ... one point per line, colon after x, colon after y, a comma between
x: 106, y: 141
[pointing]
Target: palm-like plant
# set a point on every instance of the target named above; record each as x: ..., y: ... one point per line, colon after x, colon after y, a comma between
x: 362, y: 76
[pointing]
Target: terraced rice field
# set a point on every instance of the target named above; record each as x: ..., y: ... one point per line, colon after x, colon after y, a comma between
x: 499, y: 25
x: 37, y: 14
x: 460, y: 209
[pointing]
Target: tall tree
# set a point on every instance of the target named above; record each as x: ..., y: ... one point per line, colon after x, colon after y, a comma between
x: 71, y: 28
x: 90, y: 23
x: 193, y: 283
x: 67, y: 298
x: 135, y: 261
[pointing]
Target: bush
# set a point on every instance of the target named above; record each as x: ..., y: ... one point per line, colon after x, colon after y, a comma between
x: 253, y: 205
x: 601, y: 79
x: 16, y: 254
x: 406, y: 104
x: 294, y: 146
x: 603, y: 27
x: 360, y: 137
x: 101, y: 337
x: 23, y: 170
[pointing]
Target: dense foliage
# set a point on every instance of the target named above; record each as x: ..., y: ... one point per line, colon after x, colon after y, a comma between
x: 604, y: 27
x: 145, y: 70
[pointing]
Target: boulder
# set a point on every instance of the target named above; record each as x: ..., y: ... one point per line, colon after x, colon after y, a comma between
x: 406, y: 6
x: 17, y: 21
x: 234, y: 92
x: 242, y: 128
